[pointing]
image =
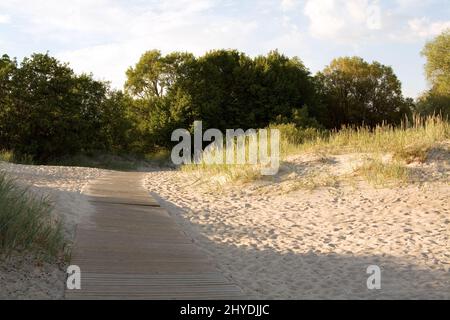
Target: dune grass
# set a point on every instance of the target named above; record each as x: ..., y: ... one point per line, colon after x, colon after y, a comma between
x: 9, y: 156
x: 230, y: 173
x: 381, y: 174
x: 408, y: 142
x: 6, y: 156
x: 27, y: 223
x: 404, y: 141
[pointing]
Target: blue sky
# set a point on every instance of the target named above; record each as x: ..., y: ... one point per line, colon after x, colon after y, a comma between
x: 107, y: 36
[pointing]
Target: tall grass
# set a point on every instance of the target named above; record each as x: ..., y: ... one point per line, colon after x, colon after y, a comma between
x: 9, y: 156
x: 26, y: 222
x: 234, y: 172
x: 6, y: 156
x: 408, y: 142
x: 404, y: 141
x: 383, y: 174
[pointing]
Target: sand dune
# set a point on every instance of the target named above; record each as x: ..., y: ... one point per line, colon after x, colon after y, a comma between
x: 275, y: 239
x: 311, y: 244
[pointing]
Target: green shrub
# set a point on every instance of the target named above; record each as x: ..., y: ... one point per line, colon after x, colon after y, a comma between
x: 6, y: 156
x: 48, y: 111
x: 292, y: 134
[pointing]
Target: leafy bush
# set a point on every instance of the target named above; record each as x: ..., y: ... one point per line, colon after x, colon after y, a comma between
x: 49, y: 111
x: 432, y: 103
x: 292, y: 134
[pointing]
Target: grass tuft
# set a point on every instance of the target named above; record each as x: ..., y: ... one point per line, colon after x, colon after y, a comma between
x: 229, y: 173
x: 9, y: 156
x: 378, y: 173
x: 6, y: 156
x: 27, y: 223
x: 413, y: 153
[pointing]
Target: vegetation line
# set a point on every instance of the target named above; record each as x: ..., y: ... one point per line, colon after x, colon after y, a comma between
x: 48, y: 113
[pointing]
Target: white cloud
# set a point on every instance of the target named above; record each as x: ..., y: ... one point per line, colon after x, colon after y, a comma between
x: 166, y: 31
x: 107, y: 36
x: 288, y: 4
x: 4, y: 19
x: 407, y: 4
x: 424, y: 28
x: 362, y: 21
x: 101, y: 17
x: 343, y: 20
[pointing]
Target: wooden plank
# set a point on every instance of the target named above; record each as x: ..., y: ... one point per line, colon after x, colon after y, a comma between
x: 130, y: 248
x: 158, y: 286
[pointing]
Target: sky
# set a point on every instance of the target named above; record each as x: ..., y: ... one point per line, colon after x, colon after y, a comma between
x: 105, y: 37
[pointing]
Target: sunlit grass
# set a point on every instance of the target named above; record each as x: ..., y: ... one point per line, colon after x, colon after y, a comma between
x: 409, y: 142
x: 420, y: 134
x: 9, y: 156
x: 6, y: 156
x: 27, y: 223
x: 382, y: 174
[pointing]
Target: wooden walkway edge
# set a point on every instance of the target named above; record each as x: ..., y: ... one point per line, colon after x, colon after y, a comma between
x: 130, y: 248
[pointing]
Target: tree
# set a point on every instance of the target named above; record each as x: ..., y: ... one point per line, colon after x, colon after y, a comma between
x: 118, y: 131
x: 356, y: 92
x: 52, y: 112
x: 283, y: 86
x: 228, y: 89
x: 437, y: 68
x: 223, y: 88
x: 155, y: 74
x: 7, y: 69
x: 42, y: 115
x: 432, y: 103
x: 218, y: 89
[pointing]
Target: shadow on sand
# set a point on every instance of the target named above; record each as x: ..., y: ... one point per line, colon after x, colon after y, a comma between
x: 270, y: 274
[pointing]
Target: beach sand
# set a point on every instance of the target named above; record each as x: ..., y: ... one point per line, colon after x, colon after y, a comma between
x: 318, y: 243
x: 25, y: 277
x: 274, y: 239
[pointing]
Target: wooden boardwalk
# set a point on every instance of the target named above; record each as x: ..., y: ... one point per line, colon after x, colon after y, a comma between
x: 130, y: 248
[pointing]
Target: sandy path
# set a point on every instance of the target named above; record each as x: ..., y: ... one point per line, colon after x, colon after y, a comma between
x: 303, y: 245
x: 26, y: 277
x: 318, y: 244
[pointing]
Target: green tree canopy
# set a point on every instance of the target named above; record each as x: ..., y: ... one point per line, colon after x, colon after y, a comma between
x: 228, y: 89
x: 223, y: 88
x: 432, y: 103
x: 356, y: 92
x: 7, y: 69
x: 52, y: 112
x: 155, y: 74
x: 437, y: 68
